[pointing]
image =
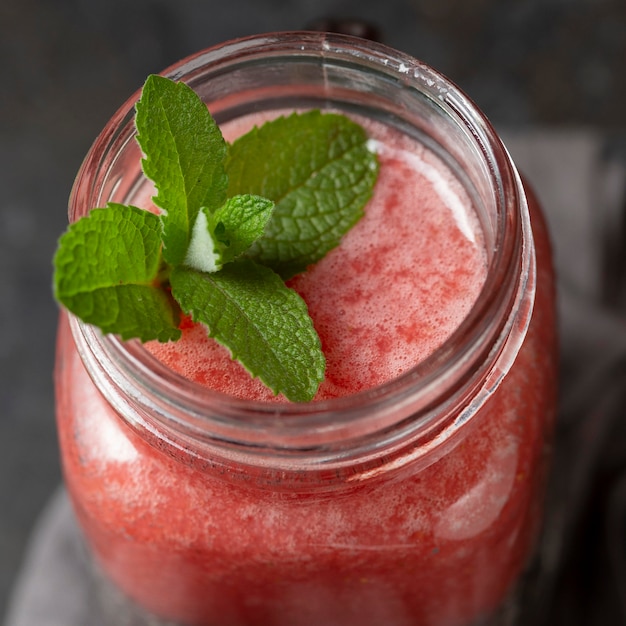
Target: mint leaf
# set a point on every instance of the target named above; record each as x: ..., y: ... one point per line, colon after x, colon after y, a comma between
x: 239, y: 222
x: 220, y: 237
x: 106, y: 272
x: 184, y: 157
x: 263, y: 323
x: 318, y: 170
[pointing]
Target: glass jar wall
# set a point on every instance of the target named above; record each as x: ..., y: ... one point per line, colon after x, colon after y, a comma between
x: 415, y: 502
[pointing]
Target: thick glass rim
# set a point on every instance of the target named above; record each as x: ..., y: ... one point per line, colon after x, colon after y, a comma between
x: 463, y: 372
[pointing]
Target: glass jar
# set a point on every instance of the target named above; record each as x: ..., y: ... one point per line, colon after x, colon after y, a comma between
x: 417, y: 502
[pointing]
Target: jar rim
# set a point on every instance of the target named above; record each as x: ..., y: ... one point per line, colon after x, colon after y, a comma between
x: 397, y: 407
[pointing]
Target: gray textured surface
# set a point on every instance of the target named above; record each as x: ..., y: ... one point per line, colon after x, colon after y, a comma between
x: 67, y: 65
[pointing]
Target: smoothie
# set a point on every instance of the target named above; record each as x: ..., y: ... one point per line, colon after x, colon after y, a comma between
x: 441, y: 541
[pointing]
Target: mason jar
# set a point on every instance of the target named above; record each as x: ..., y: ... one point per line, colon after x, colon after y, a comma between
x: 416, y: 502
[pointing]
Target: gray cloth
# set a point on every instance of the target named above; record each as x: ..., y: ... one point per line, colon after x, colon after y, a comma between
x: 580, y: 576
x: 55, y: 585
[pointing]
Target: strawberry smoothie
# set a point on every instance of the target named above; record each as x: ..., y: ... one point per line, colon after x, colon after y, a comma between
x: 428, y: 532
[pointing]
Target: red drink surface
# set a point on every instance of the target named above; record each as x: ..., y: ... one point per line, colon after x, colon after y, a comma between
x: 440, y: 545
x: 396, y: 288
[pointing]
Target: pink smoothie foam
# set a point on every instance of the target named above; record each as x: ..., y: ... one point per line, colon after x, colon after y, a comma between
x: 399, y: 284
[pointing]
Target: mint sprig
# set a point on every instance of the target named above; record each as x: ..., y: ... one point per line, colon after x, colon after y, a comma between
x: 234, y: 221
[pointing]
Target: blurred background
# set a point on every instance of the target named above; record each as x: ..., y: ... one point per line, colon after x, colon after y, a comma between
x: 66, y: 65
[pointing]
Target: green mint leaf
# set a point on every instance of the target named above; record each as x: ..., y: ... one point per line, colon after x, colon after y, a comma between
x: 240, y: 221
x: 184, y: 157
x: 318, y: 170
x: 106, y: 272
x: 220, y: 237
x: 263, y: 323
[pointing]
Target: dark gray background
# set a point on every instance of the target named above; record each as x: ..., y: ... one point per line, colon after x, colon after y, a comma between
x: 66, y: 65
